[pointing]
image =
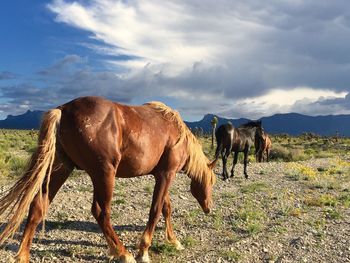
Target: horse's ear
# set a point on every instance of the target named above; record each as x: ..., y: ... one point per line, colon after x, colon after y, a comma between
x: 259, y: 123
x: 212, y: 164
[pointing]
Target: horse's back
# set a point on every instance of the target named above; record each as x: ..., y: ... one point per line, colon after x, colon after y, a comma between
x: 95, y: 131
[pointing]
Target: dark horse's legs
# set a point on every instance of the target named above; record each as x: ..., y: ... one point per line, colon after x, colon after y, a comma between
x: 246, y: 151
x: 103, y: 181
x: 60, y: 173
x: 267, y: 155
x: 225, y: 154
x: 235, y: 158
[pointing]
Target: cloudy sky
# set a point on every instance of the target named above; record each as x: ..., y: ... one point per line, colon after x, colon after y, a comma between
x: 234, y: 58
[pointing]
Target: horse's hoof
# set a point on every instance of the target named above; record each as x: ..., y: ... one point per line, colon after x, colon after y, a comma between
x: 127, y: 258
x: 178, y: 245
x: 19, y: 259
x: 144, y: 258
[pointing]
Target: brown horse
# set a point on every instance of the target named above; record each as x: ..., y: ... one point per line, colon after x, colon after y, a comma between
x: 263, y: 145
x: 108, y: 140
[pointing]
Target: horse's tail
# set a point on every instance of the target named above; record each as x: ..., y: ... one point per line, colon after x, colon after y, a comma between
x: 19, y: 197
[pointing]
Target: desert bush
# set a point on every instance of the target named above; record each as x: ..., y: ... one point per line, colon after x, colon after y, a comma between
x: 280, y: 153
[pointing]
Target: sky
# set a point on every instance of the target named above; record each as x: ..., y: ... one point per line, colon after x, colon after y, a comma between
x: 232, y: 58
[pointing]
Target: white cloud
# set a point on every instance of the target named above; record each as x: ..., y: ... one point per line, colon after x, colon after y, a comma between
x: 302, y: 100
x: 282, y: 97
x: 146, y: 29
x: 233, y: 57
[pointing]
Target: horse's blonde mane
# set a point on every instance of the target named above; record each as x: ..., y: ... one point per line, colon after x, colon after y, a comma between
x: 196, y: 166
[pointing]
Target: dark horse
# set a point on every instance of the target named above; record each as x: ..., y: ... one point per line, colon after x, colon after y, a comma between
x: 108, y: 140
x: 230, y: 139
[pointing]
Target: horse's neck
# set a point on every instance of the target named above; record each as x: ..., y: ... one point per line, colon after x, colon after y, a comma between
x: 247, y: 133
x: 252, y: 132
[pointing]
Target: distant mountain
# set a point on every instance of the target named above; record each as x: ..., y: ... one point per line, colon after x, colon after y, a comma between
x: 290, y: 123
x: 295, y: 124
x: 206, y: 125
x: 26, y: 121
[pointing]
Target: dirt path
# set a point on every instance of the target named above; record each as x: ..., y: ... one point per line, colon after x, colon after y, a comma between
x: 275, y: 216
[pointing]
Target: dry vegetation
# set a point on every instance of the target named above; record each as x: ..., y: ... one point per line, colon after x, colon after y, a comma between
x: 293, y: 209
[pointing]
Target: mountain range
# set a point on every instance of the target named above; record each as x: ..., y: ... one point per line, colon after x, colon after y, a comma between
x: 290, y: 123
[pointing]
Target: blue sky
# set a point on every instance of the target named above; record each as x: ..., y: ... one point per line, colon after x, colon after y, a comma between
x: 233, y: 58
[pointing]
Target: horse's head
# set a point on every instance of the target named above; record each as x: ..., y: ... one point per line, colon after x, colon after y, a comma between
x: 202, y: 191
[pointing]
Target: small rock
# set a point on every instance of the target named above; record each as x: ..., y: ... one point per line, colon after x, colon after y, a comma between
x: 183, y: 197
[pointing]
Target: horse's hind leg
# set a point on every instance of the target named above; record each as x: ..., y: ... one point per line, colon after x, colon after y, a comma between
x: 60, y: 173
x: 101, y: 209
x: 225, y: 155
x: 170, y: 236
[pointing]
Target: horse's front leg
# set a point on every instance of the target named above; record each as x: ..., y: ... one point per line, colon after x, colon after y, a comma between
x: 235, y: 158
x: 246, y: 151
x: 169, y: 232
x: 224, y: 164
x: 163, y: 181
x: 267, y: 155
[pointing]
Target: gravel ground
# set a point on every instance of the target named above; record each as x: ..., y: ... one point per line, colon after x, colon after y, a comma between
x: 262, y: 219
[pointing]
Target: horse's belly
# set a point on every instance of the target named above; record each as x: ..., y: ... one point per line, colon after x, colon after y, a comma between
x: 136, y: 166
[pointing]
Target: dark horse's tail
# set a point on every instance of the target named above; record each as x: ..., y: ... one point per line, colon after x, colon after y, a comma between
x: 19, y: 197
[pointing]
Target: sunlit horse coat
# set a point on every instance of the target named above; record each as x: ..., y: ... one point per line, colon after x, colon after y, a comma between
x: 108, y: 140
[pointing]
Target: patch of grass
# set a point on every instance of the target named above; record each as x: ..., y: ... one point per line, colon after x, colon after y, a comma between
x: 321, y: 200
x: 17, y: 165
x: 228, y: 195
x: 119, y: 201
x: 248, y: 219
x: 85, y: 188
x: 318, y: 225
x: 165, y: 249
x: 193, y: 216
x: 344, y: 199
x: 217, y: 220
x: 279, y: 229
x: 47, y: 253
x: 148, y: 189
x: 296, y: 212
x: 254, y: 187
x: 297, y: 171
x: 59, y: 224
x: 76, y: 250
x: 231, y: 255
x: 254, y: 227
x: 263, y: 172
x: 332, y: 213
x: 189, y: 241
